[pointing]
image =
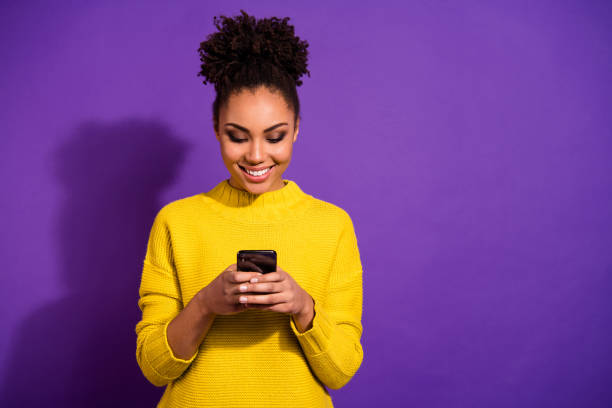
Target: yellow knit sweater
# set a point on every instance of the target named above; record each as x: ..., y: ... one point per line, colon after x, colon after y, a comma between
x: 255, y: 358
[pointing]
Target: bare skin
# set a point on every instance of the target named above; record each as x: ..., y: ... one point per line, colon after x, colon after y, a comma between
x: 282, y: 294
x: 256, y: 130
x: 189, y: 328
x: 232, y: 292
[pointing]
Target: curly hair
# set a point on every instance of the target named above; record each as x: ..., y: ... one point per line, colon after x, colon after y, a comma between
x: 246, y: 53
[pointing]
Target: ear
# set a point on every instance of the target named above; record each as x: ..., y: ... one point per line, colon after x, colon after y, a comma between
x: 297, y: 130
x: 216, y: 134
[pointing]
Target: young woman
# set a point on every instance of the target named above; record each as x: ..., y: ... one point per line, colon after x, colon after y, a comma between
x: 216, y: 336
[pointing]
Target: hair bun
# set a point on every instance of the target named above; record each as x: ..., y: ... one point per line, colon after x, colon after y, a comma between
x: 243, y: 41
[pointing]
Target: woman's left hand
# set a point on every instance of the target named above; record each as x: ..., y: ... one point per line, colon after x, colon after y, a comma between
x: 276, y: 291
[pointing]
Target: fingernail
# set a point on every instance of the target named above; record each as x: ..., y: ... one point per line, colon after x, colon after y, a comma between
x: 243, y: 299
x: 253, y: 280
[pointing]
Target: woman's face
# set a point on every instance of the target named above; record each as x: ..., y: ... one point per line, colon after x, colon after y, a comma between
x: 256, y: 133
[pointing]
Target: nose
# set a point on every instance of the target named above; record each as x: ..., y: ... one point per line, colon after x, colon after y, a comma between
x: 256, y: 151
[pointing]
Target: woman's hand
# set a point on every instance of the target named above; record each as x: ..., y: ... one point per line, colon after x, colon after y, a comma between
x: 220, y: 296
x: 277, y: 291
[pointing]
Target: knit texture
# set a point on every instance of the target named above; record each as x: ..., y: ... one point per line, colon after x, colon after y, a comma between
x: 255, y: 358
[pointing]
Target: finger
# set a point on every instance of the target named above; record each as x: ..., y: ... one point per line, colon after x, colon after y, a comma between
x: 268, y: 277
x: 266, y: 287
x: 261, y: 299
x: 278, y: 307
x: 242, y: 276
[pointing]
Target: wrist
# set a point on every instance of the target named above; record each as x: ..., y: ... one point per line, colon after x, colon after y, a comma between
x: 308, y: 308
x: 304, y: 318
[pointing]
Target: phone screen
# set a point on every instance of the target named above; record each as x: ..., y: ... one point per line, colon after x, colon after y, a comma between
x: 257, y: 260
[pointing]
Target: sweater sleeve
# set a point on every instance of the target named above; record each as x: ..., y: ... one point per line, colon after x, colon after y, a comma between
x: 332, y: 345
x: 160, y: 301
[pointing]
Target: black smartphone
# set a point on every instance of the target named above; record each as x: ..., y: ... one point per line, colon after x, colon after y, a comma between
x: 258, y: 260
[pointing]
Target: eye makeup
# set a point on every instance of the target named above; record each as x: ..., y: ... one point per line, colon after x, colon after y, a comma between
x: 234, y: 139
x: 278, y: 139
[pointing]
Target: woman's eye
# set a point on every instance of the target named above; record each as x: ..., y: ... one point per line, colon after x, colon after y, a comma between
x: 235, y: 139
x: 278, y: 139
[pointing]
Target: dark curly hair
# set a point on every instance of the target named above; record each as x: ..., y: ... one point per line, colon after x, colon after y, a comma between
x: 246, y: 53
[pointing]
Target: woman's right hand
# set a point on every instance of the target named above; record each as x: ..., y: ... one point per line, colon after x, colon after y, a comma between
x: 220, y: 297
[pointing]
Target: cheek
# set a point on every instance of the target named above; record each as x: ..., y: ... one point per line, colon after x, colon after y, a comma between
x: 230, y: 153
x: 283, y: 153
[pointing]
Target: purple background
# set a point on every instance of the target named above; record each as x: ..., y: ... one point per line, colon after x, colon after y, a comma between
x: 469, y: 141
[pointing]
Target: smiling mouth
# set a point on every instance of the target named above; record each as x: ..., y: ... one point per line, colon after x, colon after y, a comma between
x: 265, y: 171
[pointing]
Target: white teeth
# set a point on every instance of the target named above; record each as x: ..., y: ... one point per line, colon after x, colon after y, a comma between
x: 258, y: 173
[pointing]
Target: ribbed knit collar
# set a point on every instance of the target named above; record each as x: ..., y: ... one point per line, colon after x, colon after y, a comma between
x: 270, y: 206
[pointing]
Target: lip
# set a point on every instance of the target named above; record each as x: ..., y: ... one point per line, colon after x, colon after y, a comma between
x: 256, y: 168
x: 257, y: 178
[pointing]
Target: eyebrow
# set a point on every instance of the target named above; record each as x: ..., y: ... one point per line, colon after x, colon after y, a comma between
x: 247, y: 130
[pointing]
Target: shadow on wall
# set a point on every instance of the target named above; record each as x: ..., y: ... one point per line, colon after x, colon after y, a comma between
x: 80, y: 350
